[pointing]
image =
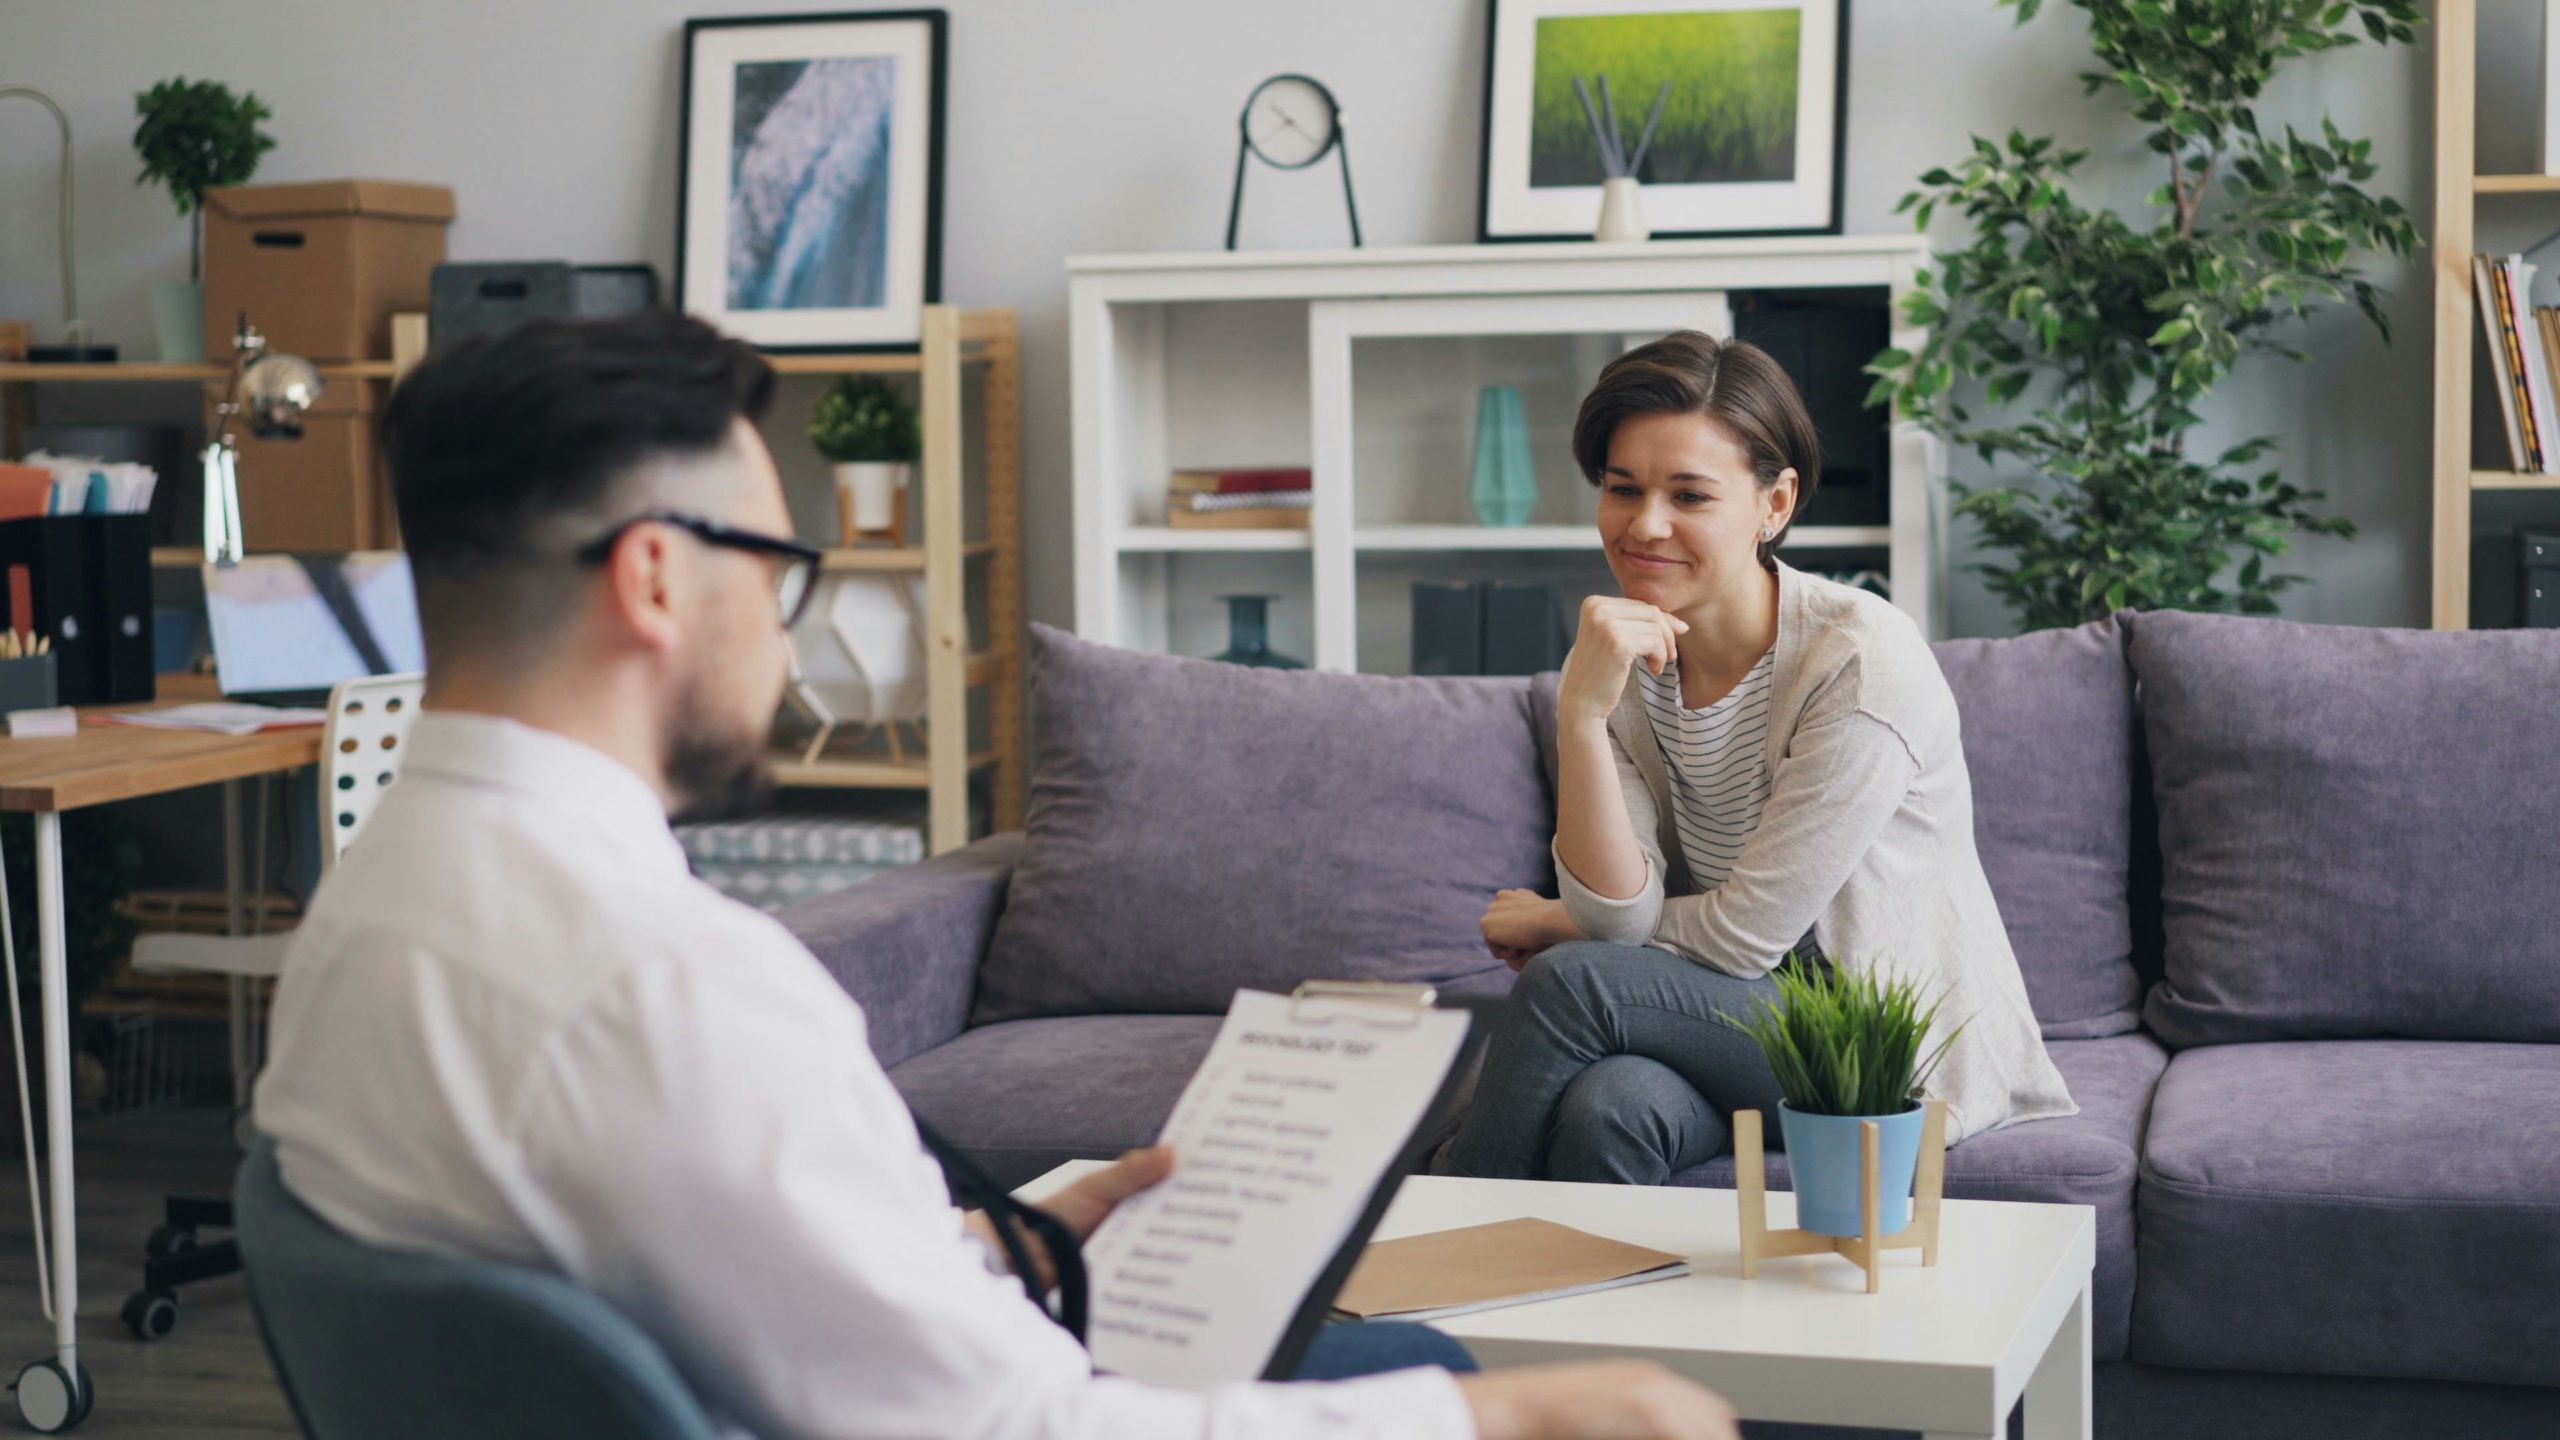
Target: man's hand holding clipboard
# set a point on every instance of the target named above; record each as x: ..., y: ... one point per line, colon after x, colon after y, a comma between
x: 1287, y: 1147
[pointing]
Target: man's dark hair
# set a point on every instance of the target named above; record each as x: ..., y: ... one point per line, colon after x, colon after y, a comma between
x: 507, y: 451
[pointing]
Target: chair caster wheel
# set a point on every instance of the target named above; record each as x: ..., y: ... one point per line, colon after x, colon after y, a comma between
x: 168, y: 1240
x: 150, y: 1314
x: 50, y: 1399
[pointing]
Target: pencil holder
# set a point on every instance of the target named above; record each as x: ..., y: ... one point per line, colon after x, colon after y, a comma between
x: 27, y: 683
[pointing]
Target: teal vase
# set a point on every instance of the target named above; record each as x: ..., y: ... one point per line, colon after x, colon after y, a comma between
x: 1249, y: 635
x: 1505, y: 488
x: 1825, y: 1163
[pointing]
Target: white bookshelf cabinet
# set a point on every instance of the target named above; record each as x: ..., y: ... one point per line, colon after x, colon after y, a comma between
x: 1365, y: 366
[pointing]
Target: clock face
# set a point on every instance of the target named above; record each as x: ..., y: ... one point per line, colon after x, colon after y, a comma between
x: 1291, y: 121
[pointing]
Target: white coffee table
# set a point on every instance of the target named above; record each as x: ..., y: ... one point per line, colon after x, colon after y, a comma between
x: 1947, y: 1351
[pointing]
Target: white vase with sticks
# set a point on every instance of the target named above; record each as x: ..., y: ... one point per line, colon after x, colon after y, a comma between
x: 1621, y: 193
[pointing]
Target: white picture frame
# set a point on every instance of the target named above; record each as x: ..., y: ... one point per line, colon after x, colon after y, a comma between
x: 821, y: 230
x: 1519, y: 198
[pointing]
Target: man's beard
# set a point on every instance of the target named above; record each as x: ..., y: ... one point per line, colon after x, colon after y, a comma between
x: 714, y: 768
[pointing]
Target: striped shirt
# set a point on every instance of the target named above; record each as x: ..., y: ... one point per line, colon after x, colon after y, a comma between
x: 1719, y: 763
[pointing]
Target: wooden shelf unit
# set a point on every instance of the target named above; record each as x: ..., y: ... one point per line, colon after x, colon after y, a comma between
x: 954, y: 339
x: 2459, y: 189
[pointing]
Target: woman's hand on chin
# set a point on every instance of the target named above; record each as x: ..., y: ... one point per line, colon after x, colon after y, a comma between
x: 1521, y: 923
x: 1616, y: 634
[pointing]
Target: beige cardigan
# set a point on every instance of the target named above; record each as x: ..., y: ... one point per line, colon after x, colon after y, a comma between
x: 1867, y: 839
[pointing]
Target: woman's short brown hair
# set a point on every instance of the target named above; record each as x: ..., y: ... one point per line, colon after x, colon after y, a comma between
x: 1731, y: 382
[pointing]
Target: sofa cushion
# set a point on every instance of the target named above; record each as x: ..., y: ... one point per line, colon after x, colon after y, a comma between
x: 2048, y: 726
x: 2351, y: 829
x: 1197, y: 828
x: 2084, y: 1159
x: 2344, y: 1207
x: 1027, y: 1096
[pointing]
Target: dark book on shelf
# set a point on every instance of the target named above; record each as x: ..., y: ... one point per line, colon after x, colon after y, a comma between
x: 1486, y: 627
x: 1448, y: 628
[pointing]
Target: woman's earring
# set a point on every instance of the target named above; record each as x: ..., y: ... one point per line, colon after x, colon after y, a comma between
x: 1768, y: 533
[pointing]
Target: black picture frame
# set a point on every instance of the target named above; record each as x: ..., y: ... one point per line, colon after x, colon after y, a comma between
x: 1485, y: 179
x: 896, y: 324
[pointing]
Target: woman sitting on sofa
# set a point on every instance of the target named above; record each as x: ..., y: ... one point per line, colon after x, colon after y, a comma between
x: 1754, y: 761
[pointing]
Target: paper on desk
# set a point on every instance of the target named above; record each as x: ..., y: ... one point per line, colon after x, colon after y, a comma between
x: 222, y: 717
x: 1279, y: 1139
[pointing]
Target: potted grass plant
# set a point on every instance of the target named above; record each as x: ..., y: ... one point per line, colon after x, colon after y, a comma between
x: 869, y: 431
x: 1847, y: 1049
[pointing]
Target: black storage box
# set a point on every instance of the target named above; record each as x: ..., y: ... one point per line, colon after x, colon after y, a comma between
x: 484, y: 297
x: 2538, y: 579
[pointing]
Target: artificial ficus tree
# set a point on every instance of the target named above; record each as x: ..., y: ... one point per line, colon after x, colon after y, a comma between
x: 2087, y: 339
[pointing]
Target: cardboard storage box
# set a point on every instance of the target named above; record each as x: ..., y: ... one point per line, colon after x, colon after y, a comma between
x: 321, y: 267
x: 326, y: 491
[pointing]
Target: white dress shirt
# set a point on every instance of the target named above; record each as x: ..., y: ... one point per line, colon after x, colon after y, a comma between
x: 514, y: 1027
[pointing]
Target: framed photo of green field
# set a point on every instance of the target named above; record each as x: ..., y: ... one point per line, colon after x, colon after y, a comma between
x: 1743, y: 100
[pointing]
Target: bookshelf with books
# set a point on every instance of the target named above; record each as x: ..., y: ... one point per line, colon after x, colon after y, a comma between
x: 2496, y: 457
x: 1301, y: 425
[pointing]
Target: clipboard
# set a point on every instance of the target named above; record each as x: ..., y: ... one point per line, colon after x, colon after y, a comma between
x: 1316, y: 1309
x: 1296, y: 1139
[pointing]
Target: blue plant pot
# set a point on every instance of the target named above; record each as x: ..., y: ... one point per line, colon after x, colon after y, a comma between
x: 1829, y: 1174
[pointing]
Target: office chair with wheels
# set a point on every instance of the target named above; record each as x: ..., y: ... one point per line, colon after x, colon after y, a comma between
x: 375, y: 1344
x: 361, y: 751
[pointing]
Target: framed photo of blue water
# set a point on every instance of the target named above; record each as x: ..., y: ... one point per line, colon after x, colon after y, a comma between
x: 1742, y: 98
x: 809, y: 195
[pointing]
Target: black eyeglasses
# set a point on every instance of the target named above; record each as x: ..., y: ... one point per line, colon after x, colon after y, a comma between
x: 793, y: 587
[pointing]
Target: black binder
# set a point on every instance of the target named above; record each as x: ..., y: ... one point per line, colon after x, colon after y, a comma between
x: 89, y: 593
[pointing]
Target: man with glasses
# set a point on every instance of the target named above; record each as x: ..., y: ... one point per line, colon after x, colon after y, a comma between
x: 514, y: 1027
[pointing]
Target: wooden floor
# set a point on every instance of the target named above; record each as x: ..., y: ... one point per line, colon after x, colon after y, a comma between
x: 208, y: 1379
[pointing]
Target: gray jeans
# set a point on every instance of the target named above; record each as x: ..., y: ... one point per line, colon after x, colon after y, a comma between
x: 1613, y: 1063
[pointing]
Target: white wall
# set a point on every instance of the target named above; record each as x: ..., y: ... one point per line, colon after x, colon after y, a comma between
x: 1093, y: 127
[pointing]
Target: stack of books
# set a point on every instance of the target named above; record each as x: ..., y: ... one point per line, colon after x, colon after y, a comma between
x: 2523, y: 343
x: 1265, y: 499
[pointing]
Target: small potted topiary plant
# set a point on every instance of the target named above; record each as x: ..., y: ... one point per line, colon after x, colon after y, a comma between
x: 1847, y: 1049
x: 194, y: 136
x: 869, y: 431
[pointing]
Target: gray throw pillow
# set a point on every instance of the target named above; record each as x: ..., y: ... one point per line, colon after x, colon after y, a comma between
x: 2048, y: 740
x: 2355, y: 830
x: 1196, y: 828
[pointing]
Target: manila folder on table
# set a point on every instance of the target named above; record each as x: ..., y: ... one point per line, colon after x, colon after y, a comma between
x: 1287, y: 1145
x: 1482, y: 1267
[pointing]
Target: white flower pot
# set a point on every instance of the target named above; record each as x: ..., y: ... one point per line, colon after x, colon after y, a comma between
x: 177, y: 310
x: 868, y: 495
x: 1622, y: 211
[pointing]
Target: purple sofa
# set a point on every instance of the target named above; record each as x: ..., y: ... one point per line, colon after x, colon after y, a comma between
x: 2277, y: 892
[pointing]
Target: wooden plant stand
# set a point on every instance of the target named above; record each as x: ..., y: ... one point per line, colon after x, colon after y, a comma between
x: 1866, y: 1250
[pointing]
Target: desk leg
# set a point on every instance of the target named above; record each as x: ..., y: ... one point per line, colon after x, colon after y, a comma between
x: 55, y: 1394
x: 2058, y: 1402
x: 235, y: 923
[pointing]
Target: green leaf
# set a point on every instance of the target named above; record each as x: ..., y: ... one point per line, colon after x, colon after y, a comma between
x: 2172, y: 333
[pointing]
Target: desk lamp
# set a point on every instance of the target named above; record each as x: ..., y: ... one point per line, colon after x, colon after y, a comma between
x: 75, y: 346
x: 273, y: 391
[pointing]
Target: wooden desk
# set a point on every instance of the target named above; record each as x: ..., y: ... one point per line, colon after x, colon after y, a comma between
x: 103, y: 763
x: 107, y: 762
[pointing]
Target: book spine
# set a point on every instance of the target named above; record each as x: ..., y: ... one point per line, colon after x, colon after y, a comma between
x: 1242, y: 482
x: 1263, y: 518
x: 1274, y: 500
x: 2517, y: 376
x: 2537, y: 353
x: 2484, y: 288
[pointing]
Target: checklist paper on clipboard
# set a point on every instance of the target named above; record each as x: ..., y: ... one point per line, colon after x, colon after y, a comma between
x: 1288, y: 1143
